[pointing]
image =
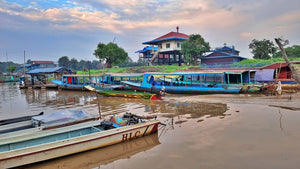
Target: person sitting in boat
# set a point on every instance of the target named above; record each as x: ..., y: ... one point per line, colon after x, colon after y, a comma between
x: 153, y: 88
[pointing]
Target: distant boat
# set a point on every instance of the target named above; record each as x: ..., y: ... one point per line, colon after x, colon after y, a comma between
x: 77, y: 82
x: 125, y: 93
x: 194, y: 82
x: 35, y: 147
x: 9, y: 78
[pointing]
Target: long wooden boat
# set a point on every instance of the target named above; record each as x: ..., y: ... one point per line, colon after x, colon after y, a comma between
x: 9, y: 78
x: 117, y: 78
x: 18, y: 119
x: 190, y: 82
x: 102, y: 156
x: 29, y: 124
x: 68, y: 140
x: 124, y: 93
x: 77, y: 82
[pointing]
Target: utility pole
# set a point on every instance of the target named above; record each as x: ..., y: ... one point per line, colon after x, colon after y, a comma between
x: 24, y: 65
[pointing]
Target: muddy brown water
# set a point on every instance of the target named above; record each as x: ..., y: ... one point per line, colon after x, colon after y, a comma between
x: 202, y: 131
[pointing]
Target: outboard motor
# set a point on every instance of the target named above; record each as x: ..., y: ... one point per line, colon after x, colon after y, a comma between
x: 107, y: 125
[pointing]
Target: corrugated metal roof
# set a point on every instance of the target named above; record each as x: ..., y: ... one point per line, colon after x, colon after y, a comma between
x: 279, y: 65
x: 147, y: 48
x: 42, y: 62
x: 49, y: 70
x: 169, y: 36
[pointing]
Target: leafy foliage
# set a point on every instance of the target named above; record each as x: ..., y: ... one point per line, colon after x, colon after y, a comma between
x: 64, y: 61
x: 81, y: 65
x: 292, y: 52
x: 11, y: 68
x: 262, y: 49
x: 194, y: 48
x: 111, y: 53
x: 4, y: 66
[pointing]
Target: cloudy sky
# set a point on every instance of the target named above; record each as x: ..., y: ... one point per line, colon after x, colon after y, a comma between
x: 49, y: 29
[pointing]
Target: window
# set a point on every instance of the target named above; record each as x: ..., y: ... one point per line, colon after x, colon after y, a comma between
x: 178, y: 45
x: 167, y: 45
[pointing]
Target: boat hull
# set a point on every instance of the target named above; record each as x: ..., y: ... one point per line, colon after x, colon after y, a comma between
x: 184, y: 89
x: 127, y: 94
x: 75, y: 145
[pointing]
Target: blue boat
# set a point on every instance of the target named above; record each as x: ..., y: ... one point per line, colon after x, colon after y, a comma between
x: 117, y: 78
x: 77, y: 82
x: 194, y: 82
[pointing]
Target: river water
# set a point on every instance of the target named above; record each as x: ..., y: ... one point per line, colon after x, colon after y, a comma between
x: 201, y: 131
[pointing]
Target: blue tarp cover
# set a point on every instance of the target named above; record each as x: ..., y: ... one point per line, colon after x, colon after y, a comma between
x: 48, y: 70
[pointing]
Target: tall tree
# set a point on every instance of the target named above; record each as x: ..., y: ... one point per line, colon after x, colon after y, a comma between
x: 64, y: 61
x: 194, y: 48
x: 262, y: 49
x: 111, y: 53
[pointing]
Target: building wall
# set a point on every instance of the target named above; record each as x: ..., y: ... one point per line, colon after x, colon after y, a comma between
x: 217, y: 61
x: 173, y: 45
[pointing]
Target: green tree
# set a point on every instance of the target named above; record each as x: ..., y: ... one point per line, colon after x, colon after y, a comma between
x: 64, y: 61
x: 29, y: 61
x: 263, y: 49
x: 111, y: 53
x: 11, y: 68
x: 292, y: 52
x: 74, y: 64
x: 194, y: 48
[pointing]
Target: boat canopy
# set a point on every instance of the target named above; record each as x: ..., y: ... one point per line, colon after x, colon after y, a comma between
x: 61, y: 117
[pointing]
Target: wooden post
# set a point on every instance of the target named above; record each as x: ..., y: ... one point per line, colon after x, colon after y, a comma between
x: 285, y: 57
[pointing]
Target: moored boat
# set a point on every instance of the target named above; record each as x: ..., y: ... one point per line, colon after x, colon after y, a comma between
x: 193, y: 82
x: 117, y: 78
x: 29, y: 124
x: 77, y: 82
x: 125, y: 93
x: 63, y: 141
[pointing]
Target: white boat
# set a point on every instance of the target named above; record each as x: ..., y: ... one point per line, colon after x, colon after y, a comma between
x: 27, y: 124
x: 34, y: 147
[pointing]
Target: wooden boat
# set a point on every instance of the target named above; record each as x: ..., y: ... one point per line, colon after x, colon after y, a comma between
x: 29, y: 124
x: 59, y: 142
x: 101, y: 156
x: 124, y: 93
x: 9, y: 78
x: 77, y: 82
x: 117, y: 78
x: 192, y: 82
x: 18, y: 119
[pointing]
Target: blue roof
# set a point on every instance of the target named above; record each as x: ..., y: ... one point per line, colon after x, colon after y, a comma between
x: 49, y: 70
x: 224, y: 48
x: 147, y: 48
x: 229, y: 56
x: 159, y: 40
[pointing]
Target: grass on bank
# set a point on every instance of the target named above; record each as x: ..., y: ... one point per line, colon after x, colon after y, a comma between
x: 261, y: 62
x: 173, y: 68
x: 158, y: 68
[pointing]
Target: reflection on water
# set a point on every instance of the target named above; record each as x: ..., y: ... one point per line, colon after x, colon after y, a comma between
x: 16, y: 102
x: 98, y: 157
x: 257, y: 134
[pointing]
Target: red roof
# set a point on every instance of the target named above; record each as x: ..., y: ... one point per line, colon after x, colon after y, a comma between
x: 173, y: 34
x: 278, y: 65
x: 42, y: 62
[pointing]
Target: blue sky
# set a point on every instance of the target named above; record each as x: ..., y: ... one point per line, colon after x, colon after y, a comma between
x: 50, y: 29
